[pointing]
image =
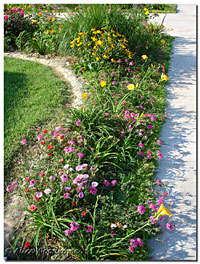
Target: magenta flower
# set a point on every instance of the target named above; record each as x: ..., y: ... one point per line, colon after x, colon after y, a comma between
x: 140, y: 145
x: 80, y: 155
x: 106, y: 183
x: 158, y: 182
x: 159, y: 142
x: 150, y: 126
x: 113, y: 182
x: 141, y: 209
x: 66, y: 195
x: 78, y: 123
x: 169, y: 226
x: 24, y: 141
x: 32, y: 182
x: 114, y: 83
x: 74, y: 226
x: 141, y: 153
x: 90, y: 228
x: 160, y: 156
x: 93, y: 190
x: 67, y: 232
x: 112, y: 73
x: 39, y: 137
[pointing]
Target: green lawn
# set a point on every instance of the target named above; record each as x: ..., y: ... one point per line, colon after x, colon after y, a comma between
x: 33, y: 94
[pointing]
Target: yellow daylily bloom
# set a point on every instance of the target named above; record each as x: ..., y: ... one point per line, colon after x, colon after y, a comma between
x: 144, y: 57
x: 132, y: 86
x: 146, y: 13
x: 164, y: 77
x: 103, y: 83
x: 162, y: 211
x: 84, y: 95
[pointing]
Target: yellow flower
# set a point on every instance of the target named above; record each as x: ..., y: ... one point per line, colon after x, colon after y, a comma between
x: 144, y: 57
x: 163, y: 211
x: 113, y: 60
x: 83, y: 109
x: 79, y: 44
x: 105, y: 56
x: 100, y: 42
x: 132, y: 86
x: 92, y: 29
x: 72, y: 45
x: 162, y: 41
x: 89, y: 44
x: 145, y: 9
x: 94, y: 53
x: 84, y: 95
x: 47, y: 32
x: 137, y: 27
x: 155, y: 28
x: 95, y: 47
x: 104, y: 28
x: 59, y: 139
x: 98, y: 58
x: 72, y: 42
x: 53, y: 19
x: 147, y: 47
x: 164, y: 77
x: 103, y: 83
x: 81, y: 33
x: 146, y: 13
x: 33, y: 38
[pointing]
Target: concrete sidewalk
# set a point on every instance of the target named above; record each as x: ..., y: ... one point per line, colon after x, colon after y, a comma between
x: 178, y: 166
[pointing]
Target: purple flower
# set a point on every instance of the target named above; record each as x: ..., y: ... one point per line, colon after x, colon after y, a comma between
x: 134, y: 242
x: 93, y: 190
x: 106, y: 183
x: 90, y: 228
x: 52, y: 178
x: 64, y: 178
x: 24, y: 141
x: 113, y: 182
x: 66, y: 195
x: 80, y: 155
x: 169, y: 226
x: 68, y: 188
x: 81, y: 195
x: 74, y: 226
x: 150, y: 126
x: 141, y: 209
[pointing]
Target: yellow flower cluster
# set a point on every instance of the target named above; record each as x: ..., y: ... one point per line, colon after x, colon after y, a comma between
x: 104, y: 44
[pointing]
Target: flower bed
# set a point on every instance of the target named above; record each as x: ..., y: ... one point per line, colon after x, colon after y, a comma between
x: 89, y: 184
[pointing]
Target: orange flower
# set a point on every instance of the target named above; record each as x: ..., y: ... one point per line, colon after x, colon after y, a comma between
x: 39, y: 14
x: 52, y: 31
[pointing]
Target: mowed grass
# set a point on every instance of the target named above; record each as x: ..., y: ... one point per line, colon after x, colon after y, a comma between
x: 33, y: 95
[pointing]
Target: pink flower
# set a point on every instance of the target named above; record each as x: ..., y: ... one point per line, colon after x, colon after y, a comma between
x: 67, y: 105
x: 123, y: 102
x: 78, y: 123
x: 90, y: 228
x: 41, y: 173
x: 66, y: 195
x: 140, y: 242
x: 67, y: 232
x: 74, y: 226
x: 32, y: 207
x: 24, y: 141
x: 106, y: 183
x: 159, y: 142
x: 141, y: 153
x: 64, y: 178
x: 81, y: 195
x: 169, y: 226
x: 140, y: 145
x: 113, y: 182
x: 158, y: 182
x: 112, y: 73
x: 79, y: 168
x: 160, y: 156
x: 141, y: 209
x: 93, y: 190
x: 114, y: 83
x: 131, y: 63
x: 80, y: 155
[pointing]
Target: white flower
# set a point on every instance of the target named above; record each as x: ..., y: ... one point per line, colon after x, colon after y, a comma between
x: 39, y: 194
x: 112, y: 226
x: 47, y: 191
x: 66, y: 166
x: 94, y: 184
